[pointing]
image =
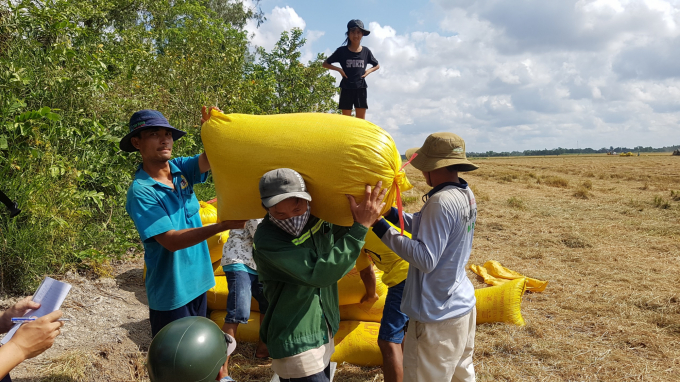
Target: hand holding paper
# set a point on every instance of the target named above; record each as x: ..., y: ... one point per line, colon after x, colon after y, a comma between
x: 18, y: 310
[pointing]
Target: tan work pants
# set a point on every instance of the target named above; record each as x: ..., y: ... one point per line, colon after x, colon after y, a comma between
x: 440, y: 351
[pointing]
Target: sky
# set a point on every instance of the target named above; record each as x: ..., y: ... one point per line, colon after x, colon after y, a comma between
x: 507, y: 75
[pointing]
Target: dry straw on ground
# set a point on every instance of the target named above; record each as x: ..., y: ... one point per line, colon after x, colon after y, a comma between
x: 610, y: 313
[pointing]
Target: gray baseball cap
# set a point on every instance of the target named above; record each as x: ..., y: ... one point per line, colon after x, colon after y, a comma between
x: 281, y: 184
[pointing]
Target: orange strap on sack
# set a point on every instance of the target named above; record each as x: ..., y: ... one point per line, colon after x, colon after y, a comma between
x: 400, y: 206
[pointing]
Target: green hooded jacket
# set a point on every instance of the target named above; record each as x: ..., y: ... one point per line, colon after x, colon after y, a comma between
x: 300, y: 277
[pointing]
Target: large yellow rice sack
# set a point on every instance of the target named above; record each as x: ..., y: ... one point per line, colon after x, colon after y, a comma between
x: 336, y: 155
x: 217, y: 295
x: 351, y: 289
x: 357, y: 343
x: 370, y: 312
x: 501, y: 303
x: 249, y: 332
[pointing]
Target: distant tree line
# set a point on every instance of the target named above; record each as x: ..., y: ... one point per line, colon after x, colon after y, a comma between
x: 561, y: 151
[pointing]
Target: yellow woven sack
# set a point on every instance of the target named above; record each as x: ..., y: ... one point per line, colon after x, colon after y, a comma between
x: 249, y: 332
x: 501, y: 303
x: 494, y: 273
x: 219, y: 271
x: 208, y: 213
x: 336, y: 155
x: 351, y: 289
x: 217, y: 296
x: 357, y: 343
x: 216, y: 266
x: 370, y: 312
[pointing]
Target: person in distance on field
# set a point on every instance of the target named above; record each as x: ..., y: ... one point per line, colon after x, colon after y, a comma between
x: 439, y: 299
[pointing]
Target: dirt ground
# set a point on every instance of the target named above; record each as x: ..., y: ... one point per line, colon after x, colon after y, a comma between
x: 603, y: 230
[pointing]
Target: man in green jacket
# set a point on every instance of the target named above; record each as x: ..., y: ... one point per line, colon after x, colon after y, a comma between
x: 300, y: 259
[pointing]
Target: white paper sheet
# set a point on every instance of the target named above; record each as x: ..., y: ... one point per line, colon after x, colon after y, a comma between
x: 50, y: 295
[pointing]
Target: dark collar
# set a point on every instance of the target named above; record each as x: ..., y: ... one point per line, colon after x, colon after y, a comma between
x: 463, y: 184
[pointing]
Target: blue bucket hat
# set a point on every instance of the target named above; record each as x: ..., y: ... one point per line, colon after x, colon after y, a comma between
x: 143, y: 120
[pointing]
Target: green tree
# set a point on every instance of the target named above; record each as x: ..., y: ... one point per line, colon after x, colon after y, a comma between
x: 71, y: 74
x: 297, y: 87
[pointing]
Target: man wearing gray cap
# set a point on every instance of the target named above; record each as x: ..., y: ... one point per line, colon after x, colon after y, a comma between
x: 439, y: 299
x: 300, y: 259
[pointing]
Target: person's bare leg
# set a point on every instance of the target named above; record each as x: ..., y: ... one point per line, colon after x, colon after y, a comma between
x: 261, y: 351
x: 346, y: 112
x: 393, y: 360
x: 230, y: 329
x: 360, y: 112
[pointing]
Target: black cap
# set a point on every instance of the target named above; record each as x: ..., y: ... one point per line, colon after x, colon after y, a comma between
x: 356, y: 23
x: 281, y: 184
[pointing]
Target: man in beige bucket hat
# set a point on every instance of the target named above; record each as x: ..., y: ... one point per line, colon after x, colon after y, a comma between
x: 439, y: 299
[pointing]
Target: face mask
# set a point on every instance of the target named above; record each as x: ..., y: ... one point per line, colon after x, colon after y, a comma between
x: 292, y: 225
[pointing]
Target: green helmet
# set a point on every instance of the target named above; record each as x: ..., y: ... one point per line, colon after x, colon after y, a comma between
x: 191, y: 349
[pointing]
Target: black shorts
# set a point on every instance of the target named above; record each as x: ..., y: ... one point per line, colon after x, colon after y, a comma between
x: 160, y: 318
x: 352, y: 97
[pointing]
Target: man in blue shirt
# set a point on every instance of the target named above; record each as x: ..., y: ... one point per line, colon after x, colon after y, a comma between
x: 164, y: 208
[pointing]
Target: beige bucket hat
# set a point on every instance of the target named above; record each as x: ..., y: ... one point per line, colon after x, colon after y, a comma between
x: 441, y: 150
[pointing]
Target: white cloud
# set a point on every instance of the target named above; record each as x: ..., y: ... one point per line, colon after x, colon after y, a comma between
x: 278, y: 21
x: 522, y: 75
x: 535, y: 74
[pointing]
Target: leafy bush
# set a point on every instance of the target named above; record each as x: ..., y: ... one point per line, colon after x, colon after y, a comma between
x: 71, y: 74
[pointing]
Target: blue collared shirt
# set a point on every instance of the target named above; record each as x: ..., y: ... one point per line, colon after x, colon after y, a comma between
x: 437, y: 287
x: 173, y: 279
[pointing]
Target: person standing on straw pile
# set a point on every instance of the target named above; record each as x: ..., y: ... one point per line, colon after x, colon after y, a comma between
x: 439, y: 299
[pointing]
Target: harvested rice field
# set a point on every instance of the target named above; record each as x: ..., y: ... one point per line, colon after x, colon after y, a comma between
x: 603, y: 230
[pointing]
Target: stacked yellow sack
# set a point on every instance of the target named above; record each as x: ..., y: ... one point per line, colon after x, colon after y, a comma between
x: 336, y: 155
x: 351, y: 289
x: 208, y: 213
x: 355, y: 342
x: 217, y: 295
x: 357, y: 339
x: 249, y: 332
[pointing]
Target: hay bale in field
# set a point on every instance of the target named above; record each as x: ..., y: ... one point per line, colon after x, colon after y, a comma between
x: 676, y: 152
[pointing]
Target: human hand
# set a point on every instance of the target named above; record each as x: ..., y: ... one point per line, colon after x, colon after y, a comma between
x: 342, y: 73
x: 37, y: 336
x: 232, y: 224
x: 369, y: 210
x: 18, y: 310
x: 205, y: 113
x: 369, y: 298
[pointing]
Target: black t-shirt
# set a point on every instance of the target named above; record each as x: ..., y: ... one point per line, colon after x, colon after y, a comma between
x: 354, y: 65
